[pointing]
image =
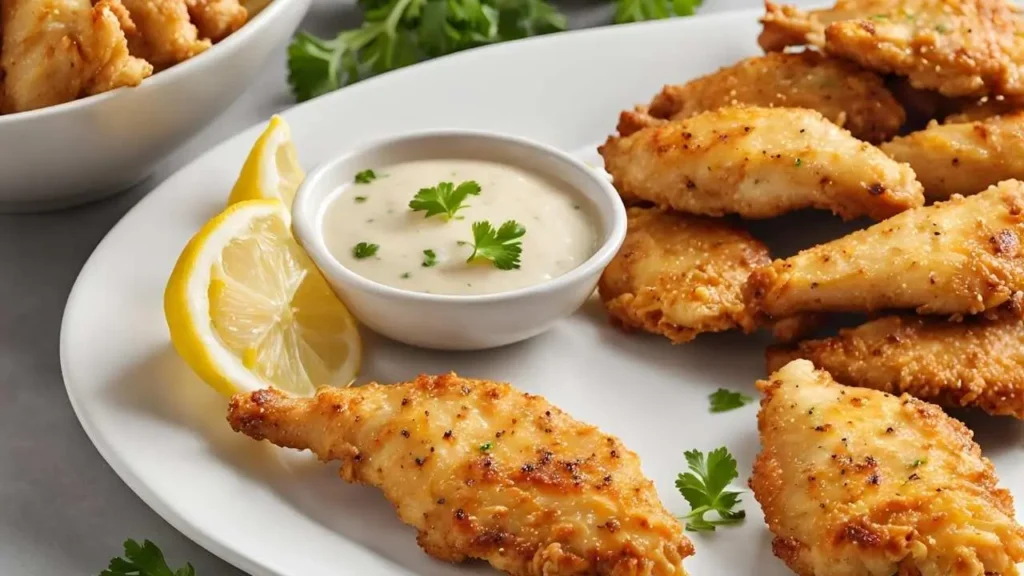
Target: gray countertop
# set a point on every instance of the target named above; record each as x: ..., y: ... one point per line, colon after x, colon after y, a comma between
x: 63, y: 511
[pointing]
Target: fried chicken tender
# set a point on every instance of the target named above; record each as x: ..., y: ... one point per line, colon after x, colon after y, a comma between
x: 856, y: 482
x: 679, y: 275
x: 846, y: 94
x: 55, y: 51
x: 485, y: 471
x: 974, y: 363
x: 957, y: 47
x: 759, y: 163
x: 963, y: 158
x: 962, y: 256
x: 216, y: 19
x: 635, y: 120
x: 165, y: 35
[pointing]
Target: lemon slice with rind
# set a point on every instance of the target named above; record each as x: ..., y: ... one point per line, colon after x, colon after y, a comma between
x: 272, y: 169
x: 247, y: 308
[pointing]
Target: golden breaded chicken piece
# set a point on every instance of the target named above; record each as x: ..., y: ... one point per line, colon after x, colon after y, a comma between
x: 165, y: 35
x: 974, y: 363
x: 680, y: 275
x: 963, y: 158
x: 856, y: 482
x: 962, y: 256
x: 55, y: 51
x: 759, y: 163
x: 958, y: 47
x: 635, y: 120
x: 846, y: 94
x: 485, y: 471
x: 216, y: 19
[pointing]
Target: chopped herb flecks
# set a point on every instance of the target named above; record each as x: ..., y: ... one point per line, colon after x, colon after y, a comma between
x: 365, y: 177
x: 429, y: 258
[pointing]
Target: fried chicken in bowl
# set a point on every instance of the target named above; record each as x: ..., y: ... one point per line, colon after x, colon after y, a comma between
x: 97, y: 142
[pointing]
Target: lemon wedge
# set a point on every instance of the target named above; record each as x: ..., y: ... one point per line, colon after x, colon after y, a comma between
x: 272, y: 169
x: 247, y: 308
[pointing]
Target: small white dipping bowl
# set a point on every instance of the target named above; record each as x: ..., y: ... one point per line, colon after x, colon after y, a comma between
x: 453, y: 322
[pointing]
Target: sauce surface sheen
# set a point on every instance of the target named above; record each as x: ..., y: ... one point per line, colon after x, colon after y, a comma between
x: 560, y: 232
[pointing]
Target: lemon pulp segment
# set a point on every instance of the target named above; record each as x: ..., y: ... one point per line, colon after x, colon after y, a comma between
x: 247, y: 308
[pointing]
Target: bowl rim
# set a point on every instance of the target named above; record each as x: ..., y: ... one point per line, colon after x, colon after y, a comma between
x: 306, y: 212
x: 251, y: 28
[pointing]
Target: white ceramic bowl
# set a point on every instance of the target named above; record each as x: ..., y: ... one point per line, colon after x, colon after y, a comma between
x: 93, y: 147
x: 449, y: 322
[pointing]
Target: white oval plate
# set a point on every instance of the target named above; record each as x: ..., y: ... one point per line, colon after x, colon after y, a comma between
x: 270, y: 511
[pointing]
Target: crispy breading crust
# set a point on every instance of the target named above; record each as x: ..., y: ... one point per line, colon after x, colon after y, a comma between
x: 165, y: 35
x: 635, y: 120
x: 759, y: 163
x: 856, y: 482
x: 55, y: 51
x: 962, y: 256
x: 847, y: 95
x: 785, y: 26
x: 679, y: 275
x: 973, y: 363
x: 216, y: 19
x: 963, y: 158
x: 958, y: 47
x: 483, y: 470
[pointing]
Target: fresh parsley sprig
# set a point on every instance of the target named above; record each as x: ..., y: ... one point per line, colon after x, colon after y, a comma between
x: 396, y: 33
x: 704, y: 488
x: 501, y: 246
x: 364, y: 250
x: 445, y: 199
x: 723, y: 400
x: 144, y: 559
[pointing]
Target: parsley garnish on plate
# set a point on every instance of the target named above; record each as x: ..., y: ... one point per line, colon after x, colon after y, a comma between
x: 365, y: 176
x: 429, y: 258
x: 723, y: 400
x: 501, y: 246
x: 704, y: 488
x: 144, y: 559
x: 445, y: 199
x: 640, y: 10
x: 396, y: 33
x: 364, y: 250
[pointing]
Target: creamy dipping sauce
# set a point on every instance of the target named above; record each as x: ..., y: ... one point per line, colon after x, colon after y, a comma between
x: 560, y: 233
